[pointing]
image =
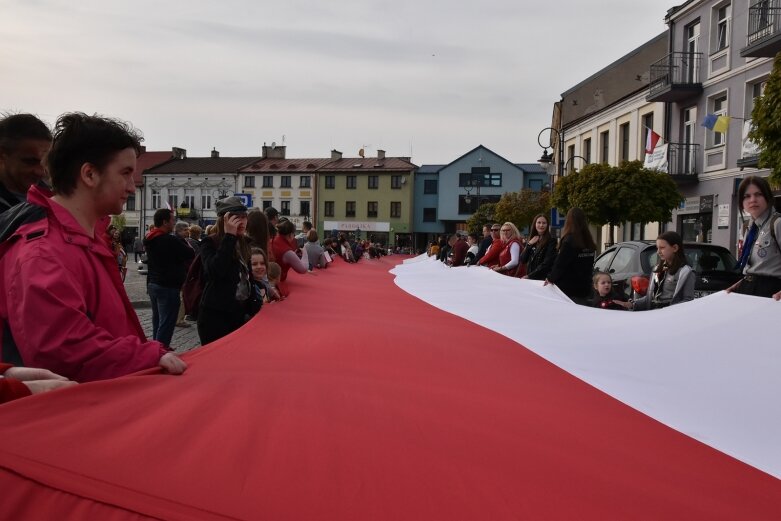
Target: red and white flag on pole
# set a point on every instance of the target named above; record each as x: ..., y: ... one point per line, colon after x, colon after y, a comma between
x: 651, y: 140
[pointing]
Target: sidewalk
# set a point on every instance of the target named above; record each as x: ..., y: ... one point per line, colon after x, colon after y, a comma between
x: 185, y: 338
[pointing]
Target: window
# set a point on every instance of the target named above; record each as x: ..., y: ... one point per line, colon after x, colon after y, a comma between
x: 395, y: 209
x: 648, y: 126
x: 371, y: 209
x: 173, y: 200
x: 352, y: 182
x: 267, y: 204
x: 721, y: 19
x: 719, y: 108
x: 305, y: 182
x: 328, y: 210
x: 304, y: 209
x: 268, y: 181
x: 587, y: 150
x: 130, y: 204
x: 430, y: 186
x: 535, y: 184
x: 189, y: 197
x: 480, y: 176
x: 285, y: 208
x: 471, y: 206
x: 156, y: 199
x: 622, y: 260
x: 330, y: 182
x: 374, y: 182
x: 206, y: 202
x: 349, y: 208
x: 429, y: 215
x: 623, y: 132
x: 249, y: 181
x: 603, y: 261
x: 604, y: 146
x: 754, y: 91
x: 570, y: 161
x: 396, y: 182
x: 286, y: 182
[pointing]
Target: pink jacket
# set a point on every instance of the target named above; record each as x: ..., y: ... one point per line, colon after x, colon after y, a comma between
x: 65, y: 303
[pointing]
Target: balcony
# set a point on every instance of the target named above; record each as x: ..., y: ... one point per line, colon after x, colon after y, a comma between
x: 676, y: 77
x: 764, y: 30
x: 682, y: 162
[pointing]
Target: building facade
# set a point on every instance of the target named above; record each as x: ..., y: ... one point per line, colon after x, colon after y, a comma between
x: 447, y: 195
x: 133, y: 210
x: 191, y: 186
x: 285, y: 184
x: 718, y: 62
x: 606, y: 119
x: 369, y: 197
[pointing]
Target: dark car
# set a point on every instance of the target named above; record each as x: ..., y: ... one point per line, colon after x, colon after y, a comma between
x: 630, y: 264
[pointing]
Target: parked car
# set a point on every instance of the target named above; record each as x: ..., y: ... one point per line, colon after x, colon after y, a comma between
x: 630, y: 264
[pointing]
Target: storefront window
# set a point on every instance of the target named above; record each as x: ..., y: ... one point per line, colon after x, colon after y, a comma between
x: 696, y: 227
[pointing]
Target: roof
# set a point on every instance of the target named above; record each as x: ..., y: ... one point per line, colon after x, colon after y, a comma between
x: 271, y: 165
x: 531, y: 168
x: 481, y: 147
x: 369, y: 164
x: 147, y: 160
x: 430, y: 169
x: 203, y: 165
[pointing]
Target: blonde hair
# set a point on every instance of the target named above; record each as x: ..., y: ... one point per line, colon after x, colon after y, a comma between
x: 514, y: 233
x: 598, y: 275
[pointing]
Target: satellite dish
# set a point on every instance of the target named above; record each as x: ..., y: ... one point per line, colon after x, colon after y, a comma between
x: 273, y: 145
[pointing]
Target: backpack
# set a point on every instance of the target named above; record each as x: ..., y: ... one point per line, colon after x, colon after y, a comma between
x: 193, y: 288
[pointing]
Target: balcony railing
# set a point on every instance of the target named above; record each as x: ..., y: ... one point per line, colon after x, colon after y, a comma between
x: 682, y: 162
x: 764, y: 29
x: 187, y: 213
x: 676, y: 77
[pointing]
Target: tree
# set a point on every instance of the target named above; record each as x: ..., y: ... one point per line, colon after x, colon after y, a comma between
x: 615, y: 194
x: 766, y: 123
x: 520, y: 207
x: 484, y: 215
x: 119, y: 221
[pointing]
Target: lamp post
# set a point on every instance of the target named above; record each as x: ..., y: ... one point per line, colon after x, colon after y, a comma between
x: 475, y: 181
x: 222, y: 193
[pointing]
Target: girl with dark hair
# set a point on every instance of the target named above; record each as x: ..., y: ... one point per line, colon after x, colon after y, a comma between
x: 760, y: 258
x: 540, y: 251
x: 226, y: 302
x: 283, y: 246
x: 571, y: 271
x: 672, y: 280
x: 257, y: 231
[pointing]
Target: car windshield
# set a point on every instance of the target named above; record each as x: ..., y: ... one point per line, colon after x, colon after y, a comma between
x: 702, y: 258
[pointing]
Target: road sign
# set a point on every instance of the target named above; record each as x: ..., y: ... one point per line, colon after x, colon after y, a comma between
x: 246, y: 199
x: 556, y: 219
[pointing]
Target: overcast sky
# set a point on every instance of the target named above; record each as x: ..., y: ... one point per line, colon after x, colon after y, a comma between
x: 434, y: 77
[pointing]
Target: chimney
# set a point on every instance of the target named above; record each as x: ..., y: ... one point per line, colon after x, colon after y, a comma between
x: 274, y: 151
x: 179, y: 153
x: 380, y: 154
x: 335, y: 154
x: 215, y: 153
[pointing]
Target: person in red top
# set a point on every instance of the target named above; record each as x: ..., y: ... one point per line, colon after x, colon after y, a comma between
x: 510, y: 254
x: 64, y: 306
x: 491, y: 257
x: 283, y: 246
x: 460, y: 247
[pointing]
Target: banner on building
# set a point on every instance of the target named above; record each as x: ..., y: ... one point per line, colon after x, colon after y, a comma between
x: 657, y: 160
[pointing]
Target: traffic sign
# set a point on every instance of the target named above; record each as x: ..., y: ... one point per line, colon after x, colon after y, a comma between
x: 556, y: 219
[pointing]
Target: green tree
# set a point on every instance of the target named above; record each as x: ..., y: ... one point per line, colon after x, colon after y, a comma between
x: 520, y: 207
x: 766, y: 123
x: 119, y: 221
x: 615, y: 194
x: 484, y: 215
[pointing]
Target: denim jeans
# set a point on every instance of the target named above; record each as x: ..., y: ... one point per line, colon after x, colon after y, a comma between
x: 165, y: 309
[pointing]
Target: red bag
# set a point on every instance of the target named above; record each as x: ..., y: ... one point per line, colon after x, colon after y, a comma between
x: 193, y: 288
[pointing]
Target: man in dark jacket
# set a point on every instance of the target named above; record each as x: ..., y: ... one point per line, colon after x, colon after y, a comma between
x: 24, y: 141
x: 460, y: 248
x: 168, y: 257
x: 485, y: 243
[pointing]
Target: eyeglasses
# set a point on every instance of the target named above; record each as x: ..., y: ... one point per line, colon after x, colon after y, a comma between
x: 494, y: 229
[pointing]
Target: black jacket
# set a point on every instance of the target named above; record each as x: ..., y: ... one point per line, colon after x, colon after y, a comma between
x: 572, y: 269
x: 222, y: 272
x: 539, y: 261
x: 168, y: 258
x: 484, y: 245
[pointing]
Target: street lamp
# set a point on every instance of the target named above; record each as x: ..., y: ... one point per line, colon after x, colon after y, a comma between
x: 567, y: 162
x: 475, y: 181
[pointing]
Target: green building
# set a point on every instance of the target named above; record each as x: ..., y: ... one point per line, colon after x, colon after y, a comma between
x: 368, y: 196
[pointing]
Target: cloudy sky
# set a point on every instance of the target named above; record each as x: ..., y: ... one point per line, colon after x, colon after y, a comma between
x: 434, y: 77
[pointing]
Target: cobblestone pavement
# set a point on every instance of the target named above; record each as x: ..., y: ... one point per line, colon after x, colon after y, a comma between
x: 185, y: 338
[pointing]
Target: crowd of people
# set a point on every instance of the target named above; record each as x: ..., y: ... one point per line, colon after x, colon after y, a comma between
x: 65, y: 316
